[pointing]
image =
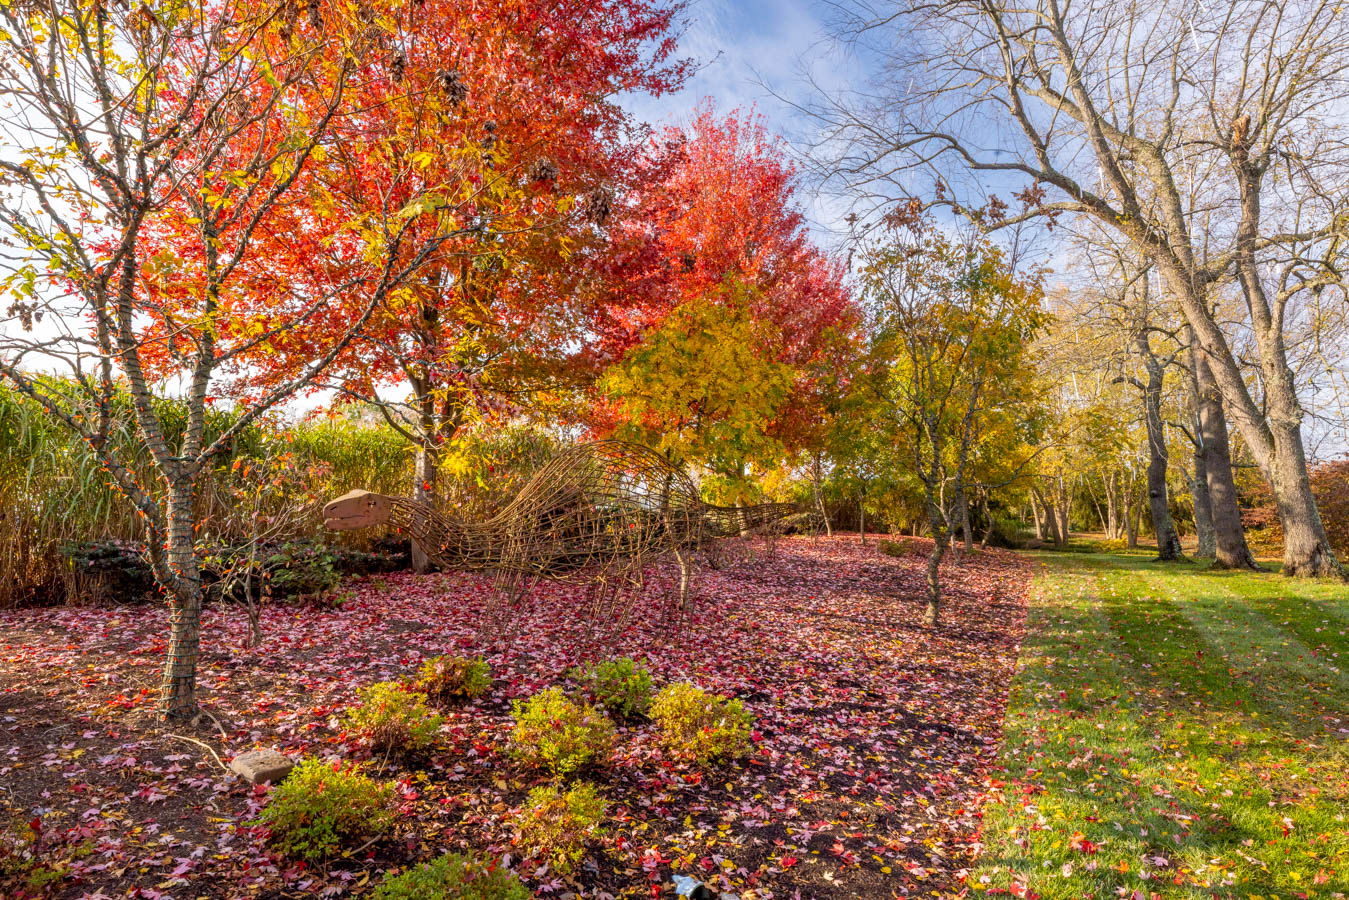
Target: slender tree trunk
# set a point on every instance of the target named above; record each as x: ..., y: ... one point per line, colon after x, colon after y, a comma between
x: 1100, y: 515
x: 1035, y: 514
x: 426, y: 464
x: 1206, y: 539
x: 1112, y: 530
x: 963, y: 512
x: 178, y: 689
x: 1159, y: 506
x: 1230, y: 548
x: 1063, y: 507
x: 815, y: 477
x: 1130, y: 517
x: 932, y: 610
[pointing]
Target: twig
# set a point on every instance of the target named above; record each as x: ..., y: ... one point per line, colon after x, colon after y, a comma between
x: 206, y: 746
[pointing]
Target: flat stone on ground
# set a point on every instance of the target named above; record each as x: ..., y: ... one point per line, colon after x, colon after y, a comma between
x: 262, y: 766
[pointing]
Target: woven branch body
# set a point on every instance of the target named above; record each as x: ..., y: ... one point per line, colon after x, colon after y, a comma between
x: 590, y: 507
x: 597, y: 513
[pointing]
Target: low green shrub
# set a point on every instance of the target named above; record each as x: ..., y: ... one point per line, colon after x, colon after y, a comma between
x: 453, y: 876
x: 901, y: 547
x: 555, y: 825
x: 701, y: 727
x: 391, y: 718
x: 29, y: 865
x: 322, y: 808
x: 445, y: 679
x: 622, y: 686
x: 554, y: 732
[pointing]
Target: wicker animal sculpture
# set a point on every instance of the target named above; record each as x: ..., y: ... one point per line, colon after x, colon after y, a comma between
x: 596, y: 514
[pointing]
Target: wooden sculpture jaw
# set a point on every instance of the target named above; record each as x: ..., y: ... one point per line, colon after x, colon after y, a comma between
x: 357, y: 509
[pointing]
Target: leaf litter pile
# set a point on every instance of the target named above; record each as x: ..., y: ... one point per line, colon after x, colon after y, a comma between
x: 872, y: 742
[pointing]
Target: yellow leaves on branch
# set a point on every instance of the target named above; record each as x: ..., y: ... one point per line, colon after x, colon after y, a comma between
x: 707, y: 378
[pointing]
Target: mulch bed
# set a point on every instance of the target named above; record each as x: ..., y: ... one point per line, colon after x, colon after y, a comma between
x: 874, y: 736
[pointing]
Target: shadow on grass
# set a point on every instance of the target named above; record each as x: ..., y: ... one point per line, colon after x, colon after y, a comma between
x: 1176, y: 730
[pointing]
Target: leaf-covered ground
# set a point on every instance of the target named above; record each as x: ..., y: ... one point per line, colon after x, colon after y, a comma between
x: 1175, y: 732
x: 874, y: 736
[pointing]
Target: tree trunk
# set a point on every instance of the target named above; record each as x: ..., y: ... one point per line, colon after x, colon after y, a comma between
x: 1306, y: 549
x: 963, y: 519
x: 1063, y: 509
x: 1112, y: 529
x: 932, y: 610
x: 1051, y: 528
x: 178, y: 689
x: 1130, y: 518
x: 1230, y: 550
x: 815, y: 477
x: 1035, y: 514
x: 862, y: 519
x: 1207, y: 541
x: 425, y: 466
x: 1159, y: 506
x: 1272, y: 430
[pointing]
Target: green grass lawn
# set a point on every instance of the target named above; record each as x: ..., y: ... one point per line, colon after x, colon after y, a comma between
x: 1174, y: 732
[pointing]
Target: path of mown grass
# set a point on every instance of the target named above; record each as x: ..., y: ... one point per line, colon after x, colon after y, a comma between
x: 1174, y: 732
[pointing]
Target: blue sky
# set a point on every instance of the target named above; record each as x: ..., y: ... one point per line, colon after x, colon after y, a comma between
x: 740, y: 44
x: 754, y: 54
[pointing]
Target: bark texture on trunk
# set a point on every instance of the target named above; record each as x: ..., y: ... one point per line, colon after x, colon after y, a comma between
x: 932, y: 610
x: 1230, y: 548
x: 1206, y: 540
x: 1063, y: 502
x: 178, y: 688
x: 1159, y: 502
x: 424, y: 471
x: 1306, y: 549
x: 1271, y: 428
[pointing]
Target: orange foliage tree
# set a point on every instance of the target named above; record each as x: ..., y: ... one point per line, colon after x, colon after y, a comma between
x: 715, y: 225
x: 161, y: 148
x: 496, y: 129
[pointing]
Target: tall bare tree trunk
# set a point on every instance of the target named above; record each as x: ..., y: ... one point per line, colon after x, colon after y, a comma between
x: 1205, y: 539
x: 1063, y: 503
x: 1159, y: 505
x: 1230, y: 548
x: 1306, y: 548
x: 1112, y: 530
x: 1130, y: 513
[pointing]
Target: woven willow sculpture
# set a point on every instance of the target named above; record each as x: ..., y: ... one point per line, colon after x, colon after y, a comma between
x: 597, y: 514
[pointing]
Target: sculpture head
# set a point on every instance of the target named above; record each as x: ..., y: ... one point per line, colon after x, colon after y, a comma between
x: 357, y: 509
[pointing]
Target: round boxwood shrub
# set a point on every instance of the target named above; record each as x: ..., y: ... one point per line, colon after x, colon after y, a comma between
x: 556, y: 733
x: 322, y: 808
x: 701, y: 727
x: 622, y: 686
x: 453, y: 876
x: 556, y: 825
x: 447, y: 679
x: 391, y: 718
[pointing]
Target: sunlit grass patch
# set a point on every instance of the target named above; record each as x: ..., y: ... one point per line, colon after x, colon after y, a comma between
x: 1174, y: 732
